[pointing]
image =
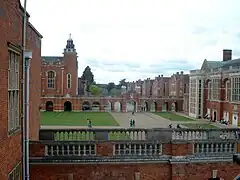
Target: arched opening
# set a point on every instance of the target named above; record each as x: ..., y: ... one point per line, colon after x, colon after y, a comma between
x: 108, y: 106
x: 67, y: 106
x: 49, y: 106
x: 117, y: 106
x: 214, y: 115
x: 96, y: 106
x: 164, y: 107
x: 153, y: 107
x: 131, y: 106
x: 86, y: 106
x: 144, y: 107
x: 174, y: 107
x: 227, y: 88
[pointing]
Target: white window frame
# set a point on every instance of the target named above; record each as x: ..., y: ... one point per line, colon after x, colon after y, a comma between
x: 51, y: 79
x: 13, y: 91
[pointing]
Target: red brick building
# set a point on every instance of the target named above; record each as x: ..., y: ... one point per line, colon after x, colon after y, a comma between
x: 215, y: 89
x: 61, y: 86
x: 11, y: 35
x: 59, y: 74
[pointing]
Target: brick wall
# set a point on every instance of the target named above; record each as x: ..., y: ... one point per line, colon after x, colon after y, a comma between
x: 10, y: 31
x: 34, y: 45
x: 165, y: 170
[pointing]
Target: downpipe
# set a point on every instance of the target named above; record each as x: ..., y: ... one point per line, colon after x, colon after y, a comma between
x: 25, y: 175
x: 27, y: 117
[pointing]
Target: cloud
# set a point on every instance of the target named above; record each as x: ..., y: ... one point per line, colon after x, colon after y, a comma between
x: 138, y: 38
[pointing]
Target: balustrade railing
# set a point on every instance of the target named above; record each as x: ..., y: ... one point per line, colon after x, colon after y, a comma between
x: 137, y: 149
x: 70, y: 149
x: 140, y: 134
x: 214, y: 148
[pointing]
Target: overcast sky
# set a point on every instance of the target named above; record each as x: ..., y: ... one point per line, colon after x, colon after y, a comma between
x: 136, y: 39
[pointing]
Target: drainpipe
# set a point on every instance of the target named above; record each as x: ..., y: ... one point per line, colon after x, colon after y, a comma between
x: 28, y: 57
x: 23, y: 87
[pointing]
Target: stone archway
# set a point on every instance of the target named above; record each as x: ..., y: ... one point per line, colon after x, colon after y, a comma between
x: 96, y: 106
x: 153, y: 107
x: 86, y: 106
x: 174, y: 107
x: 67, y: 106
x: 108, y: 106
x: 165, y: 106
x: 117, y: 106
x: 49, y: 106
x: 131, y: 106
x: 144, y: 107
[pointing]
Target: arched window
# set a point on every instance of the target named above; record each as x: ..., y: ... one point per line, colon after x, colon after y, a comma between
x: 69, y: 80
x: 51, y: 79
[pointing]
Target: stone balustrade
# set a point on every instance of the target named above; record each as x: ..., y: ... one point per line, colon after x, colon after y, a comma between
x: 137, y: 134
x: 214, y: 148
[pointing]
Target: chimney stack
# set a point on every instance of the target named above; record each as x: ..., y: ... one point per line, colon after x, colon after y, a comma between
x: 227, y: 54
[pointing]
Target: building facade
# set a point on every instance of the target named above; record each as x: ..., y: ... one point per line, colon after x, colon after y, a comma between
x: 11, y: 35
x: 214, y: 89
x: 59, y: 74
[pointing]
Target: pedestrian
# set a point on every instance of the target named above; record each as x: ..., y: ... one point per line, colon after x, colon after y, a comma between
x: 131, y: 122
x: 133, y: 113
x: 89, y: 123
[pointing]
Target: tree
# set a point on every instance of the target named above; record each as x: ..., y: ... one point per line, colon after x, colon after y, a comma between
x: 88, y: 76
x: 95, y: 90
x: 122, y: 83
x: 110, y: 86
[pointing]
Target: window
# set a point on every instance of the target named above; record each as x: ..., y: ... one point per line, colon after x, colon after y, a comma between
x: 51, y: 75
x: 209, y: 89
x: 16, y: 173
x: 215, y: 89
x: 193, y: 96
x: 13, y: 91
x: 69, y: 80
x: 227, y: 90
x: 236, y: 89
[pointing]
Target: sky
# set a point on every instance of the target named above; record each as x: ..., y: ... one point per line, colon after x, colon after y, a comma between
x: 138, y: 39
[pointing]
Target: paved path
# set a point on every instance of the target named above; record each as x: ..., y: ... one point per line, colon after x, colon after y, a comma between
x: 143, y: 120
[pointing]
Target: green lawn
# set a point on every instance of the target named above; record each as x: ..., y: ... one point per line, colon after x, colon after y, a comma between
x: 77, y: 119
x: 200, y: 126
x: 173, y: 117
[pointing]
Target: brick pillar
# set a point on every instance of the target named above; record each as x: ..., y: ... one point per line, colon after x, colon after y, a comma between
x: 102, y: 108
x: 124, y: 106
x: 159, y: 107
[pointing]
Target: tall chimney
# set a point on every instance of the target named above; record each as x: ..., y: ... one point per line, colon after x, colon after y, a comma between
x: 227, y: 54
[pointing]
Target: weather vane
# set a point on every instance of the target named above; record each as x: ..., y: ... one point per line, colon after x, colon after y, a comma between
x: 70, y: 36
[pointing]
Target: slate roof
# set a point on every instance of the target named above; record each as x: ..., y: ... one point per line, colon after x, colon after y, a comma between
x: 222, y: 64
x: 51, y: 58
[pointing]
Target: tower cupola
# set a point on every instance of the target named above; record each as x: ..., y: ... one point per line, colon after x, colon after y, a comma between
x: 70, y: 47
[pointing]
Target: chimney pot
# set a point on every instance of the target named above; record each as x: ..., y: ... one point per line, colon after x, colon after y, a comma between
x: 227, y: 54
